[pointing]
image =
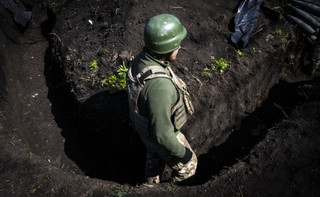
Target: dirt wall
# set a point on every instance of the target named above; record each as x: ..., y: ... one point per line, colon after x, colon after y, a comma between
x: 57, y: 138
x: 221, y: 101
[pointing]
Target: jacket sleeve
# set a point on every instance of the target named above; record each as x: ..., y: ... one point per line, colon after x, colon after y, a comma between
x: 161, y: 95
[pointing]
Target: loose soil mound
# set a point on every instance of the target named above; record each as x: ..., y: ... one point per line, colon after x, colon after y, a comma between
x: 251, y: 140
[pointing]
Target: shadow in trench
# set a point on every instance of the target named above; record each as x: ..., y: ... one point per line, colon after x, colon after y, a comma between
x: 98, y: 137
x: 100, y: 140
x: 109, y: 148
x: 282, y: 99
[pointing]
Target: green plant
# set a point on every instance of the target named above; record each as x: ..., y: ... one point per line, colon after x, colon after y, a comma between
x: 172, y: 188
x: 277, y: 32
x: 122, y: 191
x: 112, y: 82
x: 206, y: 72
x: 286, y: 41
x: 240, y: 53
x: 93, y: 66
x: 282, y: 19
x: 255, y: 50
x: 220, y: 64
x: 122, y: 73
x: 117, y: 81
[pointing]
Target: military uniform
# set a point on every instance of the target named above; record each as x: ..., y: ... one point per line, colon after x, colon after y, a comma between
x: 159, y: 101
x: 157, y: 105
x: 155, y: 101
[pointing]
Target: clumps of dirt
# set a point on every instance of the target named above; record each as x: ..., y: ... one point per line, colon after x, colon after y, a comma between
x: 102, y: 31
x: 247, y: 145
x: 88, y: 48
x: 222, y: 99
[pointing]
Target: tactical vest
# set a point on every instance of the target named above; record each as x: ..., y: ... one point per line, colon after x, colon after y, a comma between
x: 135, y: 85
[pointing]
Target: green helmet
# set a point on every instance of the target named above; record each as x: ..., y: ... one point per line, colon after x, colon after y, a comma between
x: 163, y: 33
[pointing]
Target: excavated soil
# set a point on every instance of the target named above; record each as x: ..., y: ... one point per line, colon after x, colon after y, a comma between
x: 63, y: 133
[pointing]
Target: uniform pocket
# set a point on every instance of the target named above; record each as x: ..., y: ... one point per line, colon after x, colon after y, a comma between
x: 180, y: 117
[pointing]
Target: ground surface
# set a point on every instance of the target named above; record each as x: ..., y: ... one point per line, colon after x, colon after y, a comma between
x: 256, y: 127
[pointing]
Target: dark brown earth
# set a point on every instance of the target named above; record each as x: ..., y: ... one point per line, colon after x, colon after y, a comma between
x: 256, y: 128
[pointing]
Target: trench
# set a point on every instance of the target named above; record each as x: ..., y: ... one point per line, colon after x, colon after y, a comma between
x: 102, y: 149
x: 282, y: 99
x: 105, y: 147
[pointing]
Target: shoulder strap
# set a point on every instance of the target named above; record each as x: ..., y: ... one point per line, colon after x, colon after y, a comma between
x: 151, y: 72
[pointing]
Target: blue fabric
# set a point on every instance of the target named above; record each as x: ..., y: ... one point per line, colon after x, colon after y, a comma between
x: 20, y: 13
x: 245, y: 21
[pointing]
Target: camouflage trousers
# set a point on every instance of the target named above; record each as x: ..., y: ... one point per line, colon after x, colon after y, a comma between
x: 158, y: 157
x: 187, y: 170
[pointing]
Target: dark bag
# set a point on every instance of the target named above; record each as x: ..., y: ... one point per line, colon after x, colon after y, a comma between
x: 245, y: 21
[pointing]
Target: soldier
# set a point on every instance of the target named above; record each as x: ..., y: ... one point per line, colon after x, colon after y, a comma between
x: 159, y: 101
